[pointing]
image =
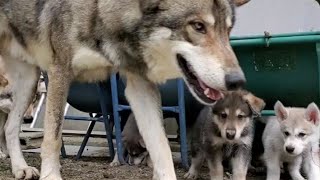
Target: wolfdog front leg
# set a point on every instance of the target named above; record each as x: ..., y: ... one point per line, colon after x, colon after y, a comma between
x: 240, y: 163
x: 59, y: 82
x: 23, y: 78
x: 144, y: 98
x: 3, y: 144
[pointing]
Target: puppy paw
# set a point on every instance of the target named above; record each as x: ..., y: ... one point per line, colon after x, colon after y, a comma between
x: 191, y: 175
x: 115, y: 163
x: 27, y: 173
x: 3, y: 155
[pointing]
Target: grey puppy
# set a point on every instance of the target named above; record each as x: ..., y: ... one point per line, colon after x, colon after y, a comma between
x: 225, y: 132
x: 147, y: 41
x: 133, y: 145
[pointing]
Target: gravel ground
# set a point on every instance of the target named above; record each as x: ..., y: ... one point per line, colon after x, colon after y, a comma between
x: 96, y: 168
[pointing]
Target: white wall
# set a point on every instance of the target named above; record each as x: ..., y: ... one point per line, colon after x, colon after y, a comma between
x: 277, y: 16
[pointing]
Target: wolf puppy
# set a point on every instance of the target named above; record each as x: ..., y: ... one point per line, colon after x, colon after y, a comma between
x: 133, y: 144
x: 147, y: 41
x: 223, y: 131
x: 292, y: 137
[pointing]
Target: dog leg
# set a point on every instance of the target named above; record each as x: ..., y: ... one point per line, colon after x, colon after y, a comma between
x: 60, y: 78
x: 273, y: 167
x: 215, y: 166
x: 240, y: 164
x: 196, y: 163
x: 3, y: 145
x: 144, y: 98
x: 311, y: 165
x: 294, y: 169
x: 24, y: 78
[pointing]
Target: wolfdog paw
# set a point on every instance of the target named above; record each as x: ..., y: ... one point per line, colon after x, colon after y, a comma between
x: 51, y: 177
x: 27, y: 173
x: 190, y: 175
x: 115, y: 163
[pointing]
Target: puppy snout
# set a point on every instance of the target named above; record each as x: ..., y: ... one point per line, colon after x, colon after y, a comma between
x: 235, y: 80
x: 289, y: 149
x: 231, y: 134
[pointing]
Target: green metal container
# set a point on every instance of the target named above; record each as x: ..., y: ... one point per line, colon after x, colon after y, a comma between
x: 281, y: 67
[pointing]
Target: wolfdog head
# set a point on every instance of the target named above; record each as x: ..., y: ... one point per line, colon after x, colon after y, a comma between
x: 299, y: 127
x: 190, y: 39
x: 233, y: 115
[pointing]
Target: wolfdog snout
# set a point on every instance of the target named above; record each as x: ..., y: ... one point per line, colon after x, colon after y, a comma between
x: 235, y: 80
x: 290, y: 149
x: 231, y: 133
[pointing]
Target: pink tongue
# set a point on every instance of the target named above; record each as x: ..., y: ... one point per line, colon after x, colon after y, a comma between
x: 209, y: 92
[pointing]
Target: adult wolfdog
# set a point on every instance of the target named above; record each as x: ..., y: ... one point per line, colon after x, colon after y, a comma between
x: 147, y: 41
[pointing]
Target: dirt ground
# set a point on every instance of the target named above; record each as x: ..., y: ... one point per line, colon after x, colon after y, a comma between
x: 96, y: 168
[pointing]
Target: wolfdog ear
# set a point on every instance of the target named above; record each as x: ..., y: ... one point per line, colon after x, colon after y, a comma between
x: 149, y: 6
x: 239, y: 3
x: 312, y: 113
x: 141, y: 142
x: 256, y: 104
x: 280, y: 111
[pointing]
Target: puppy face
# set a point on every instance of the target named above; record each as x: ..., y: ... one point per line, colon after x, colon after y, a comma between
x: 299, y: 127
x: 233, y: 114
x: 137, y: 151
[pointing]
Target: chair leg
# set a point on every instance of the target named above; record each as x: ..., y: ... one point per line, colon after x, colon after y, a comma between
x: 106, y: 120
x: 85, y: 140
x: 63, y: 149
x: 182, y: 122
x: 114, y: 93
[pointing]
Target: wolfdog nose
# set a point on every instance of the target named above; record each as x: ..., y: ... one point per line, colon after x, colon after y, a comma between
x: 235, y: 80
x: 231, y: 133
x: 289, y: 149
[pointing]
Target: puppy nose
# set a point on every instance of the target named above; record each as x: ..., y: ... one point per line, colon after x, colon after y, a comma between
x: 235, y: 80
x: 289, y: 149
x: 231, y: 133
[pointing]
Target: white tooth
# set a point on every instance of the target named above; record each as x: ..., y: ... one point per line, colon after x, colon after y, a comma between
x: 206, y: 92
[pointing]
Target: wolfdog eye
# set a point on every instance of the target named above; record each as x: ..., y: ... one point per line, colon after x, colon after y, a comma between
x: 286, y: 133
x: 199, y: 27
x: 301, y: 135
x: 240, y: 116
x: 223, y: 115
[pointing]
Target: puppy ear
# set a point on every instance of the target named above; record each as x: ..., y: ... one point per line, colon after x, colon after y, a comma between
x: 141, y: 142
x: 312, y: 113
x: 280, y: 111
x: 239, y: 3
x: 256, y: 104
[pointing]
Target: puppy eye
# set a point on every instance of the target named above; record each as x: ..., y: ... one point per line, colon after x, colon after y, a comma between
x: 223, y: 115
x: 199, y: 27
x: 240, y: 116
x: 301, y: 135
x: 286, y: 133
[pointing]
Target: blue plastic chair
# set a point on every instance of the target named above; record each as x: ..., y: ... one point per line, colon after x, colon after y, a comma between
x: 91, y: 98
x: 117, y: 91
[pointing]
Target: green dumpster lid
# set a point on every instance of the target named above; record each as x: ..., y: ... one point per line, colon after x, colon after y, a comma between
x: 271, y: 39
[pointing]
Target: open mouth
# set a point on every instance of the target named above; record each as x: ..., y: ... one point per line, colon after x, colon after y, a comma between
x: 204, y: 92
